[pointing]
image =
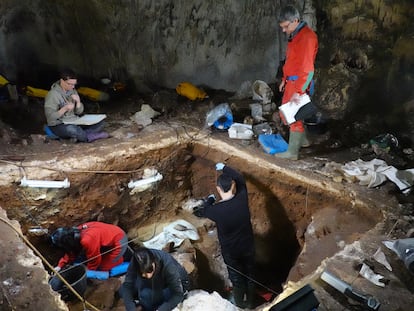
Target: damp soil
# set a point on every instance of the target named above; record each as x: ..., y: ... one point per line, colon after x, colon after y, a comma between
x: 286, y: 199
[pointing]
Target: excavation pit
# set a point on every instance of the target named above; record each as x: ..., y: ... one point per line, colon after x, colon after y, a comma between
x: 298, y: 221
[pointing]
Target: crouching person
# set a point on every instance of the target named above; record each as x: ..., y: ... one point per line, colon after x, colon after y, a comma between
x: 102, y: 245
x: 154, y: 281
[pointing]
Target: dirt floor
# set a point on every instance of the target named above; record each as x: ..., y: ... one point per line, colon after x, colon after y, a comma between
x: 307, y: 216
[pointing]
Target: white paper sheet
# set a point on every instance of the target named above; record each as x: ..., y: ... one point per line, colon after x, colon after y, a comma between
x: 87, y: 119
x: 290, y: 109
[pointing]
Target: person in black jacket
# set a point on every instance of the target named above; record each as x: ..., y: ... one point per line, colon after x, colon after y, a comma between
x: 235, y: 233
x: 154, y: 281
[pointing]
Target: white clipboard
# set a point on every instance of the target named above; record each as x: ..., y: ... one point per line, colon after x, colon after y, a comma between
x: 290, y: 109
x: 86, y: 119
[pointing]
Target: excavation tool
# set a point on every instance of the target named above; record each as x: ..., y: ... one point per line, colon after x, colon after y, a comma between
x: 369, y: 302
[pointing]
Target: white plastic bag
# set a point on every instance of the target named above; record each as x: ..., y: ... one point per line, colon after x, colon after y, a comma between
x: 218, y: 112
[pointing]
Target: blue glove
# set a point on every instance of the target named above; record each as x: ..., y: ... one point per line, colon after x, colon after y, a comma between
x: 219, y: 166
x: 119, y: 269
x: 94, y: 274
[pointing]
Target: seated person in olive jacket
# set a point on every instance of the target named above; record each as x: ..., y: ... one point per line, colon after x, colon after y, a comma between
x: 62, y: 103
x: 154, y: 281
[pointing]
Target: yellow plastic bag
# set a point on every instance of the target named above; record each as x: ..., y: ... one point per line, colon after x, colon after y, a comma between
x: 3, y: 81
x: 190, y: 91
x: 93, y: 94
x: 34, y: 92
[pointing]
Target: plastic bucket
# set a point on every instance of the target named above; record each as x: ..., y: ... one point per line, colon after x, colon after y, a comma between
x: 75, y: 276
x: 316, y: 125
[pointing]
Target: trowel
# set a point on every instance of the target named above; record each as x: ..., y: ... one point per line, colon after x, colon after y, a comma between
x: 368, y: 301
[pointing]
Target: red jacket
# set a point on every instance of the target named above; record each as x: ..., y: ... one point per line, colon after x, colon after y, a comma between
x: 300, y: 58
x: 95, y: 238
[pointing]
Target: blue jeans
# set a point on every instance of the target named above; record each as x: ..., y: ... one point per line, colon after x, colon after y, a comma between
x: 79, y: 132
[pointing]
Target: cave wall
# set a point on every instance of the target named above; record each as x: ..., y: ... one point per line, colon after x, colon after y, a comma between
x: 364, y: 68
x: 216, y: 43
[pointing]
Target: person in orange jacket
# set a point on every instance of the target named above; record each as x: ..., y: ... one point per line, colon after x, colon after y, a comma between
x: 103, y: 245
x: 298, y: 71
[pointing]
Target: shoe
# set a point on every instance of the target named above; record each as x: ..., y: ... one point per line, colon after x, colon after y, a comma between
x: 95, y: 136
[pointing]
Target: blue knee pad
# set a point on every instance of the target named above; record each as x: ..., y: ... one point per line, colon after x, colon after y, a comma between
x: 49, y: 133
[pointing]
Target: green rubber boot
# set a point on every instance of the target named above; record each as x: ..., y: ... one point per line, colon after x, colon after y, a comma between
x: 295, y: 142
x: 305, y: 141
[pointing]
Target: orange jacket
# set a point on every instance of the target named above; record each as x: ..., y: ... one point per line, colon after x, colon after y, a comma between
x: 298, y: 69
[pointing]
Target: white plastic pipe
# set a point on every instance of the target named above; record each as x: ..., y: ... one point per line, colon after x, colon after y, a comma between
x: 44, y: 183
x: 145, y: 181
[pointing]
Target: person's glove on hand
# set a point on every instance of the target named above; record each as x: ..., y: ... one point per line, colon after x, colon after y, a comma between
x: 211, y: 199
x: 219, y: 166
x: 57, y: 269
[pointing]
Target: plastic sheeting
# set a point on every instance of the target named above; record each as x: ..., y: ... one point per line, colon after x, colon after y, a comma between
x: 375, y: 172
x: 176, y: 232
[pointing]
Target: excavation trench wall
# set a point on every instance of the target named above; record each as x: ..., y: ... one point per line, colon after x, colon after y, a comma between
x: 298, y: 220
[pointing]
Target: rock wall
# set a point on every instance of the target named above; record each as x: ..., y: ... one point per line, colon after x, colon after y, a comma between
x: 365, y: 57
x: 216, y: 43
x: 364, y: 66
x: 363, y: 40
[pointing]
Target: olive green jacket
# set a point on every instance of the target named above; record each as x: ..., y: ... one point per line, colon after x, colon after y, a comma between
x: 55, y: 99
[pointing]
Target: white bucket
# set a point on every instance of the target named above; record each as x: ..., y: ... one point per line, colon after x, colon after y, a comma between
x: 240, y: 131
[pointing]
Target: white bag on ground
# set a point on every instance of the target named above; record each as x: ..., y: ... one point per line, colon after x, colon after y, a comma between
x: 176, y: 232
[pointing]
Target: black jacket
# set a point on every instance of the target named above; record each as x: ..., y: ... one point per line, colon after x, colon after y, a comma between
x: 168, y: 274
x: 232, y: 218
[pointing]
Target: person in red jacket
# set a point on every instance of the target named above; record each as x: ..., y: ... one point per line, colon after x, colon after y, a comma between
x: 103, y: 245
x: 298, y: 71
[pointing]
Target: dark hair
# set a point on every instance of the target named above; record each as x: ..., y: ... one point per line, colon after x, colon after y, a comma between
x: 66, y: 74
x: 224, y: 181
x: 288, y: 13
x: 67, y: 238
x: 144, y: 259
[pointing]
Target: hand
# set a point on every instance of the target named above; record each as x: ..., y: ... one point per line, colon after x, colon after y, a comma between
x: 211, y: 198
x: 76, y: 98
x: 295, y: 98
x: 219, y: 166
x: 57, y: 269
x: 70, y: 106
x: 282, y: 86
x: 198, y: 210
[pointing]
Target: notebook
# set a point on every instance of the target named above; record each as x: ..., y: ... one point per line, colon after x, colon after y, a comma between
x: 86, y: 119
x: 290, y: 109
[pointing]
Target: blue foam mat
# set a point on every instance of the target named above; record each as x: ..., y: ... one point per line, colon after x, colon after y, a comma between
x: 273, y: 143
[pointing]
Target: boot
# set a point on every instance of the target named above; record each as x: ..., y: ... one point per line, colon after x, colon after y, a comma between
x: 295, y: 141
x: 251, y: 296
x: 305, y: 141
x: 238, y: 295
x: 95, y: 136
